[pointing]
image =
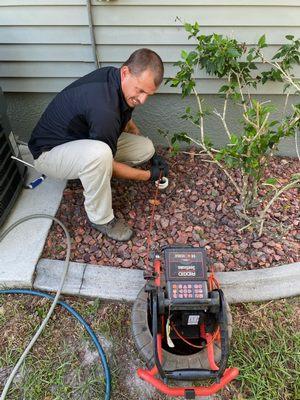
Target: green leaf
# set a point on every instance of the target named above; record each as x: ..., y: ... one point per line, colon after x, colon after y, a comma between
x: 188, y: 27
x: 234, y: 139
x: 295, y: 177
x: 219, y: 156
x: 262, y: 42
x: 289, y: 37
x: 175, y: 148
x: 233, y: 52
x: 184, y: 54
x: 271, y: 181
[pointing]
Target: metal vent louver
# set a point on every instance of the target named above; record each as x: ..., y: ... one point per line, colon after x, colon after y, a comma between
x: 10, y: 173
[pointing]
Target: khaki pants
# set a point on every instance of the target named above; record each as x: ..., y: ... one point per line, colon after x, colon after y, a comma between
x: 91, y: 162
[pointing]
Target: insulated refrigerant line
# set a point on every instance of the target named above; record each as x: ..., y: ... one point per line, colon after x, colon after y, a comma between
x: 37, y: 181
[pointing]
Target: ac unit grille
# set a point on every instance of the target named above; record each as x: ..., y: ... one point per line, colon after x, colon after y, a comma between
x: 10, y: 194
x: 12, y: 172
x: 7, y: 164
x: 10, y: 177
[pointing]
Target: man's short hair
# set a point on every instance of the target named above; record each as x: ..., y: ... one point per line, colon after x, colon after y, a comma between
x: 143, y: 59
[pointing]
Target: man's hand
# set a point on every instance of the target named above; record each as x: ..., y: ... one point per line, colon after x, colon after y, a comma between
x: 159, y: 168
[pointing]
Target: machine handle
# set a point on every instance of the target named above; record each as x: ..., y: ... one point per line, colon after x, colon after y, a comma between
x: 191, y: 374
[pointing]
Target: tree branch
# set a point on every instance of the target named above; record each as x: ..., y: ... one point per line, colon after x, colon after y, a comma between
x: 262, y: 216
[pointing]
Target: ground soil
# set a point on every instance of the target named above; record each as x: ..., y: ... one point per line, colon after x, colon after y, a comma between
x: 196, y: 209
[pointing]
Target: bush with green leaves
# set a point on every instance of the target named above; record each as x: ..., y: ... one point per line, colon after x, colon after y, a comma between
x: 249, y: 150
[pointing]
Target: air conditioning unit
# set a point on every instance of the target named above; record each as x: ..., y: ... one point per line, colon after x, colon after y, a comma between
x: 11, y: 172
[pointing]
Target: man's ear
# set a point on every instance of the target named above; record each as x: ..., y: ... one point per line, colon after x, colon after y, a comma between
x: 124, y: 72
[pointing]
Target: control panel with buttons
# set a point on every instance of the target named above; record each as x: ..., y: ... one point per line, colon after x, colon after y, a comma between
x: 186, y: 274
x: 188, y: 290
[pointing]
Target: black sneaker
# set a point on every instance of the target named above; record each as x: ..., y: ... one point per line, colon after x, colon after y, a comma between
x: 115, y: 229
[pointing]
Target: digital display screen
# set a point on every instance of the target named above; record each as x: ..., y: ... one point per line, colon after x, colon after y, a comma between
x: 185, y: 264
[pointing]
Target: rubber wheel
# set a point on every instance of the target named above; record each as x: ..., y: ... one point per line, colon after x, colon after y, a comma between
x: 143, y: 339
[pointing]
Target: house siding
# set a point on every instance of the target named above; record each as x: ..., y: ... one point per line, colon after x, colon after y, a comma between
x: 45, y: 45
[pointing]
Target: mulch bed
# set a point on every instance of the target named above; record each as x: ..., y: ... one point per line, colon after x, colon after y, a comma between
x: 196, y: 209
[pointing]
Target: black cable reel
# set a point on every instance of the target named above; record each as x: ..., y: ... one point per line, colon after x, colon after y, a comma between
x: 181, y: 325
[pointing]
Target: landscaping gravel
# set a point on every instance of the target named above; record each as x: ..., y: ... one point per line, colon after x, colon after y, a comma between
x: 196, y: 209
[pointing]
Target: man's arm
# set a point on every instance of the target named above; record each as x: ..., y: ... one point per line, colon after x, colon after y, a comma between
x: 123, y: 171
x: 132, y: 128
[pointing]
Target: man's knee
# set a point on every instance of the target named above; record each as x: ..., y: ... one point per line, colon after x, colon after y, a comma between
x: 99, y: 153
x: 147, y: 151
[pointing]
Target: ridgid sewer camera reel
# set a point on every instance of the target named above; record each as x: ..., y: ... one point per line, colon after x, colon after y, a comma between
x: 181, y: 324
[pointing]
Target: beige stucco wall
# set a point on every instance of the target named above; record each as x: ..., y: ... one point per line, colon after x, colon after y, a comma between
x: 162, y: 111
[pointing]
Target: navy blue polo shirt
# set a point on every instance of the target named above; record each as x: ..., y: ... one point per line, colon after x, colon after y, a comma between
x: 92, y: 107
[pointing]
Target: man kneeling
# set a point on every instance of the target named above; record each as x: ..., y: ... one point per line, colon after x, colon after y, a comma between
x: 87, y: 132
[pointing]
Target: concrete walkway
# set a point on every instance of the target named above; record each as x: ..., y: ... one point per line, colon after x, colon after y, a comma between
x: 21, y: 249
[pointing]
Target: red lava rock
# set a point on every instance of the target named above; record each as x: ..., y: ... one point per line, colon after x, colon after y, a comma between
x: 87, y: 239
x: 199, y: 202
x: 182, y: 238
x: 132, y: 214
x: 141, y: 225
x: 127, y: 263
x: 219, y: 267
x: 78, y: 239
x: 278, y: 247
x: 193, y: 198
x: 243, y: 246
x: 123, y: 247
x: 196, y: 210
x: 164, y: 222
x: 220, y: 246
x: 212, y: 206
x: 243, y: 261
x: 86, y: 258
x: 173, y: 221
x: 231, y: 265
x: 257, y: 245
x: 267, y: 250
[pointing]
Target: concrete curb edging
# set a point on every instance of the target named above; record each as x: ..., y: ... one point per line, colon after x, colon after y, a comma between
x: 113, y: 283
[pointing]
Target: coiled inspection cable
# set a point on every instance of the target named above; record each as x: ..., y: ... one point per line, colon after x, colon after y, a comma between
x: 54, y: 303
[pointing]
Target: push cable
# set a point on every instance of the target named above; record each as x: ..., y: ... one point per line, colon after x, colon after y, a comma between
x: 54, y: 303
